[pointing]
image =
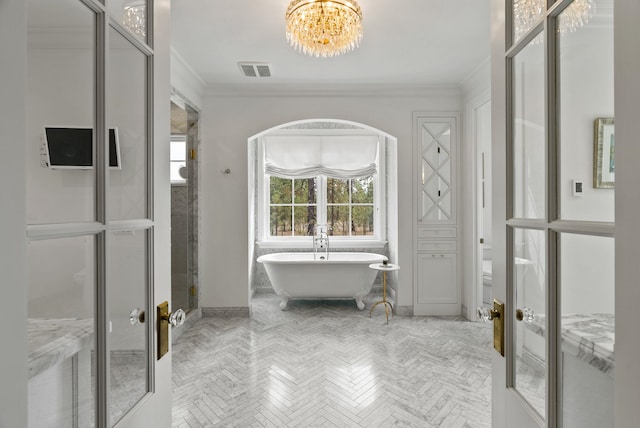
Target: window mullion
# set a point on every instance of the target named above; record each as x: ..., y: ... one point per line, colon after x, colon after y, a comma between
x: 322, y: 199
x: 293, y: 209
x: 349, y: 218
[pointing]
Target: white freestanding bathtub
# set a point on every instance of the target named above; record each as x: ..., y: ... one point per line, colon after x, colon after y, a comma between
x: 309, y: 275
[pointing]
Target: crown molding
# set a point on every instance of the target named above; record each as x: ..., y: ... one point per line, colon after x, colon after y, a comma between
x: 479, y: 77
x: 332, y: 90
x: 179, y: 59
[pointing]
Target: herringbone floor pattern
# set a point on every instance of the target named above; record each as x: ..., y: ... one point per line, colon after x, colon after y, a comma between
x: 327, y: 364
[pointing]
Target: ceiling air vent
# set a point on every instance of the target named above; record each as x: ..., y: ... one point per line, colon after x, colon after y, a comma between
x: 255, y: 69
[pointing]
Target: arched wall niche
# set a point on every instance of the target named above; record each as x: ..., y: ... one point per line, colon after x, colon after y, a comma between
x: 258, y: 280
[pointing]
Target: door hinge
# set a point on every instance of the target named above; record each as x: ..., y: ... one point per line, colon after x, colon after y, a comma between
x: 482, y: 240
x: 192, y: 154
x: 193, y: 290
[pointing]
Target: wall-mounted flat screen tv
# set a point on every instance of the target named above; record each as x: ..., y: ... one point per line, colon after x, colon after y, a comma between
x: 72, y: 148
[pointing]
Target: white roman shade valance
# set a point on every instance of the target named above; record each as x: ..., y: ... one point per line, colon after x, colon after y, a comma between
x: 352, y: 156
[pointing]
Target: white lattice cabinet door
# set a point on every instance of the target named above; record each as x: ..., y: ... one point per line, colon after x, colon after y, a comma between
x: 436, y: 279
x: 437, y: 180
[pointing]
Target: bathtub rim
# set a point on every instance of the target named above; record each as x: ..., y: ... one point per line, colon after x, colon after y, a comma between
x: 272, y: 258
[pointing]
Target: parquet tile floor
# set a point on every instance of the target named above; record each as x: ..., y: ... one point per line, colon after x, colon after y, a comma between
x: 327, y: 364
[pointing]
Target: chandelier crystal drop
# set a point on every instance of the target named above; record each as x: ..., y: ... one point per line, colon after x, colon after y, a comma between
x: 324, y: 28
x: 134, y: 17
x: 526, y: 13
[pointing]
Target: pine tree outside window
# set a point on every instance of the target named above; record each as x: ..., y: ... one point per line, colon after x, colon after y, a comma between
x: 345, y: 205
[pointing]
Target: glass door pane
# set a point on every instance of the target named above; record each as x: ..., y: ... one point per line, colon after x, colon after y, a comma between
x: 61, y: 180
x: 529, y: 151
x: 127, y: 116
x: 587, y: 329
x: 585, y: 67
x: 128, y: 284
x: 60, y: 332
x: 529, y: 281
x: 529, y: 165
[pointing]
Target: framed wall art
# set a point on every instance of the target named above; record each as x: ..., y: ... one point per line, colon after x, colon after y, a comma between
x: 604, y: 166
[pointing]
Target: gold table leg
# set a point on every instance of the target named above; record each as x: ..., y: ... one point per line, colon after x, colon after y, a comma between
x: 384, y: 299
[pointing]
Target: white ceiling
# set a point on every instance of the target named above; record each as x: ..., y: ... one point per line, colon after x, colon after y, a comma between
x: 405, y: 42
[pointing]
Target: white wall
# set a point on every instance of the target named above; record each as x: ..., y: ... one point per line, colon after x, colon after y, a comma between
x: 59, y: 93
x: 587, y: 274
x: 586, y: 84
x: 586, y: 93
x: 61, y: 277
x: 126, y: 111
x: 228, y: 121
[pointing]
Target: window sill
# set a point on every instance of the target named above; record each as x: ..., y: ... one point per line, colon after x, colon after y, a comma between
x: 308, y: 243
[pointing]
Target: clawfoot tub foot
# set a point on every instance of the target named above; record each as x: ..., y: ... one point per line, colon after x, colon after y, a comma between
x: 359, y: 303
x: 283, y: 303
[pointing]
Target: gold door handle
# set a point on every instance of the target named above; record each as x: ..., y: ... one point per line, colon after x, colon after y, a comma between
x: 497, y: 316
x: 164, y: 320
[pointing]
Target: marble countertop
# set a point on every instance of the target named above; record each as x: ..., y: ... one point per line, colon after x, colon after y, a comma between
x: 588, y: 337
x: 51, y: 341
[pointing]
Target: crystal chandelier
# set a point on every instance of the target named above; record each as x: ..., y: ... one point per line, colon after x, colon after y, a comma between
x: 526, y: 14
x: 324, y: 28
x: 134, y: 17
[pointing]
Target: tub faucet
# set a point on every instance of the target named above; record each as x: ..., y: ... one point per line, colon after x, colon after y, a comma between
x: 321, y: 243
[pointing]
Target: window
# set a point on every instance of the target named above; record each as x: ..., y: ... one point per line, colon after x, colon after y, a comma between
x: 345, y: 205
x: 350, y: 206
x: 292, y: 206
x: 332, y: 177
x: 178, y: 159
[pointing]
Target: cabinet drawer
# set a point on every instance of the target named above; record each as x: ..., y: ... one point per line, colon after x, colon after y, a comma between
x: 445, y: 232
x: 447, y: 246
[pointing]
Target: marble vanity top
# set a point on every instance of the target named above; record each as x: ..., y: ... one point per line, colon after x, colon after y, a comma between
x: 51, y: 341
x: 588, y: 337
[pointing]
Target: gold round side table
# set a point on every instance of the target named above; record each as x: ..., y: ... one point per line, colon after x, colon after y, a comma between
x: 384, y: 268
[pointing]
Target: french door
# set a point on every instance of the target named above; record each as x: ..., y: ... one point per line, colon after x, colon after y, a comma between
x: 97, y: 234
x: 553, y: 212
